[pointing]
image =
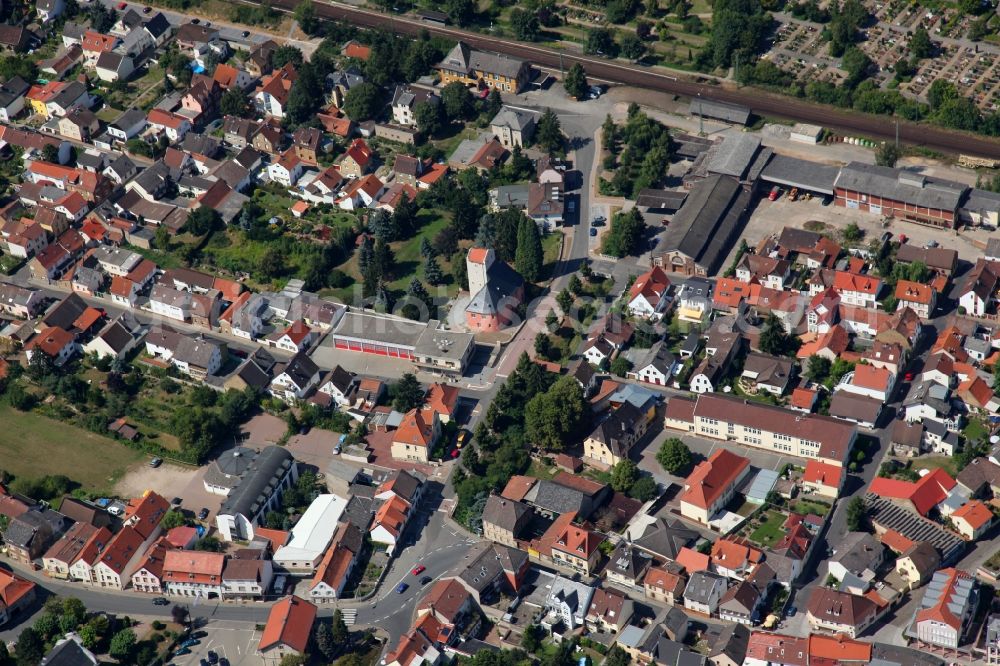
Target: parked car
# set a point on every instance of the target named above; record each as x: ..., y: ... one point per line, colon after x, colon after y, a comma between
x: 182, y: 651
x: 176, y: 501
x: 792, y: 610
x: 147, y: 9
x: 246, y: 33
x: 161, y: 601
x: 213, y: 657
x: 122, y: 5
x: 402, y: 587
x: 774, y: 194
x: 425, y: 580
x: 155, y: 462
x: 462, y: 439
x: 203, y: 514
x: 593, y: 231
x: 417, y: 570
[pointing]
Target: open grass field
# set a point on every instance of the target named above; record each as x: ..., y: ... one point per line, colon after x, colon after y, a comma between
x: 770, y: 531
x: 32, y: 445
x: 931, y: 463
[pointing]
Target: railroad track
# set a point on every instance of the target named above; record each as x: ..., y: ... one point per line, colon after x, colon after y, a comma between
x: 761, y: 102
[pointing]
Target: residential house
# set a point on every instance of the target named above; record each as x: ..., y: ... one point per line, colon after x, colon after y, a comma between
x: 567, y: 601
x: 504, y: 520
x: 663, y: 585
x: 80, y: 540
x: 917, y: 564
x: 17, y: 595
x: 287, y: 631
x: 247, y: 578
x: 357, y: 160
x: 577, y: 548
x: 840, y: 612
x: 390, y: 522
x: 613, y: 438
x: 272, y: 93
x: 193, y: 573
x: 977, y: 294
x: 972, y: 519
x: 610, y: 611
x: 921, y: 298
x: 338, y: 564
x: 648, y: 296
x: 712, y: 484
x: 656, y: 366
x: 704, y: 592
x: 296, y: 379
x: 823, y: 479
x: 405, y: 100
x: 174, y: 125
x: 416, y: 434
x: 763, y: 372
x: 119, y: 560
x: 946, y: 610
x: 768, y: 271
x: 857, y: 561
x: 514, y: 127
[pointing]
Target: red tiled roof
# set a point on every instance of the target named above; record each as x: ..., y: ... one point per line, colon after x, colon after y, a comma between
x: 193, y: 566
x: 871, y: 377
x: 844, y: 281
x: 778, y: 649
x: 442, y: 398
x: 711, y: 478
x: 803, y: 398
x: 975, y: 513
x: 145, y: 513
x: 839, y: 648
x: 517, y: 487
x: 289, y: 623
x: 417, y: 428
x: 925, y: 494
x: 651, y: 285
x: 51, y: 341
x: 824, y: 474
x: 692, y: 560
x: 941, y: 611
x: 914, y: 292
x: 13, y: 588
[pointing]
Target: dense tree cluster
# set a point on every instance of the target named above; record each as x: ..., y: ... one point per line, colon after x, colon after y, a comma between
x: 625, y: 236
x: 739, y: 29
x: 640, y: 149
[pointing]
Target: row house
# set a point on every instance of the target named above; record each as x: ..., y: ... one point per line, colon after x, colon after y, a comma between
x: 192, y: 573
x: 247, y: 578
x: 712, y: 484
x: 93, y: 187
x: 82, y: 541
x: 649, y: 295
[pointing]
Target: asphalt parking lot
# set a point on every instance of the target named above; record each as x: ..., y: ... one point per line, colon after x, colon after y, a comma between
x: 229, y: 640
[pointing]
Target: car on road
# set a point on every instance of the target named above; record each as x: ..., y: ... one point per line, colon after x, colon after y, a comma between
x: 161, y: 601
x: 122, y: 5
x: 593, y: 231
x: 147, y: 9
x: 203, y: 514
x: 417, y: 570
x: 402, y: 587
x: 155, y: 462
x: 462, y: 439
x: 213, y: 657
x: 908, y: 377
x: 196, y: 21
x: 425, y: 580
x: 245, y: 33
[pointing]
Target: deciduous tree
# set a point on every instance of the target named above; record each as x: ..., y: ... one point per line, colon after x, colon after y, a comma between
x: 529, y: 255
x: 576, y: 81
x: 674, y: 456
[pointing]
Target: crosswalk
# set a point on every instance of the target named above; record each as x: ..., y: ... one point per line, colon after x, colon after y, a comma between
x: 350, y: 615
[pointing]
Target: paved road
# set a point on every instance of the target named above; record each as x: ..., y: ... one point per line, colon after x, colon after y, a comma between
x: 761, y: 102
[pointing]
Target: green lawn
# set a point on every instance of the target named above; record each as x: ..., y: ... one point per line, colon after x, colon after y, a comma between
x: 931, y: 463
x: 770, y: 531
x: 807, y: 507
x: 975, y: 430
x: 32, y: 445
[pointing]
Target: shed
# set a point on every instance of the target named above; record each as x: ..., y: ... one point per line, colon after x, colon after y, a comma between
x: 730, y: 113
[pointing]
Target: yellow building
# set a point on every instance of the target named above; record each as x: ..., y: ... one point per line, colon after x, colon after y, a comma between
x: 478, y: 68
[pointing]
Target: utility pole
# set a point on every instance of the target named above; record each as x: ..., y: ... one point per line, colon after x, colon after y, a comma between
x: 897, y: 133
x: 701, y: 118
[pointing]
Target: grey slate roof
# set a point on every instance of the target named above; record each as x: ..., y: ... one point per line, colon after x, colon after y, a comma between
x: 707, y: 223
x: 793, y: 172
x: 513, y: 118
x: 69, y: 652
x: 554, y: 497
x: 504, y: 513
x: 900, y: 185
x: 258, y: 482
x: 708, y: 108
x: 861, y: 551
x: 301, y: 369
x: 659, y: 356
x: 464, y: 59
x: 196, y: 351
x: 701, y: 586
x: 616, y: 427
x: 734, y: 155
x: 628, y: 561
x: 665, y: 539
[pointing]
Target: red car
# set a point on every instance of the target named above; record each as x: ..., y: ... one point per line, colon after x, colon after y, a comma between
x: 122, y: 5
x: 908, y: 377
x: 417, y: 570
